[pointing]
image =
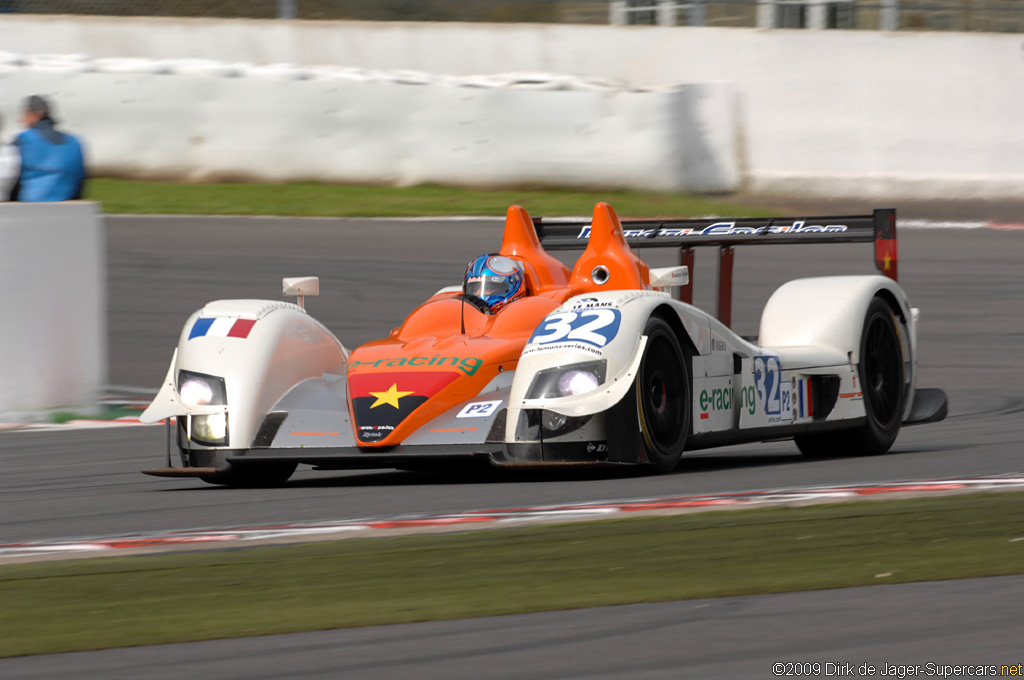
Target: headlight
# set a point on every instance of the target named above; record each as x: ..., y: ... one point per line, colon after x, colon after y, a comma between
x: 542, y: 424
x: 551, y: 421
x: 566, y: 381
x: 210, y: 429
x: 578, y: 382
x: 197, y: 389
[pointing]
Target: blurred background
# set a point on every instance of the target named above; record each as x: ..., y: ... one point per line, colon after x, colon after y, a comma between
x: 904, y: 15
x: 879, y: 100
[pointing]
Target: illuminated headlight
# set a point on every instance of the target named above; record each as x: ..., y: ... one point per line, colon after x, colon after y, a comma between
x: 566, y: 381
x: 196, y: 389
x: 210, y: 429
x: 578, y: 382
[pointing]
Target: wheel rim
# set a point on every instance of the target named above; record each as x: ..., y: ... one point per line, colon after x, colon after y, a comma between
x: 883, y: 371
x: 662, y: 394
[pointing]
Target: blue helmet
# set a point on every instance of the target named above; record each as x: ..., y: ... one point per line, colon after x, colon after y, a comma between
x: 495, y: 279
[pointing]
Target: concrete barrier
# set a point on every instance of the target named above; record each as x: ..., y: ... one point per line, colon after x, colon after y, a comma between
x: 53, y: 344
x: 217, y: 121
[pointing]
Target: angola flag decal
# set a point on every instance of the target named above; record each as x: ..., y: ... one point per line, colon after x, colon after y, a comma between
x: 380, y: 401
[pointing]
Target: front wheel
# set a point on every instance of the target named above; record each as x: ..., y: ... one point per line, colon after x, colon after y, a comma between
x: 657, y: 408
x: 882, y: 376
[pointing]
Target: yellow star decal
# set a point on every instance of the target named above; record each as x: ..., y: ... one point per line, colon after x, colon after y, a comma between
x: 390, y: 397
x: 887, y: 260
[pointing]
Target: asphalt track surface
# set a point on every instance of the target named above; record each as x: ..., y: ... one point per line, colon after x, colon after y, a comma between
x: 942, y: 623
x: 80, y: 483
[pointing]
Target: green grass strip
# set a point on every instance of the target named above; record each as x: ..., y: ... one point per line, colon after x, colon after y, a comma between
x: 105, y: 412
x: 99, y: 603
x: 330, y: 200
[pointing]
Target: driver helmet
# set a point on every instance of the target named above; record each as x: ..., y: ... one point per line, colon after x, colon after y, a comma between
x: 495, y: 279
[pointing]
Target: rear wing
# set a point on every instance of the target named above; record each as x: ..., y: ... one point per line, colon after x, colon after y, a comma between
x: 879, y: 228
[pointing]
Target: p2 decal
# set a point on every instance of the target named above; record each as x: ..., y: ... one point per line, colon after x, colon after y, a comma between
x: 479, y: 409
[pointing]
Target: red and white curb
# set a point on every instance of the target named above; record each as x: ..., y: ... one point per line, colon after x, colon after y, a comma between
x: 479, y: 519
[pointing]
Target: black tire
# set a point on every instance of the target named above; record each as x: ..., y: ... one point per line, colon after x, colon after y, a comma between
x: 881, y: 372
x: 253, y: 476
x: 656, y: 413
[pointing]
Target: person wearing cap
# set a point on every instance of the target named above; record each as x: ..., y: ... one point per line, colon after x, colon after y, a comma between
x: 52, y: 162
x: 10, y: 165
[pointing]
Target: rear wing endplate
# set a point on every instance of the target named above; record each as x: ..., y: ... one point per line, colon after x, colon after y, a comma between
x: 879, y: 228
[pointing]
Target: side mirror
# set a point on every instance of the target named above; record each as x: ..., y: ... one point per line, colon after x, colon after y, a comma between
x: 670, y: 277
x: 300, y: 287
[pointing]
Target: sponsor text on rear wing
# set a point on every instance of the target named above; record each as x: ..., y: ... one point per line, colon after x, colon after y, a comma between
x: 685, y: 234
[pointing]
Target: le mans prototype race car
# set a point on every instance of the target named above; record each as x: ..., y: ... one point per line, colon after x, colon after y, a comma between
x: 597, y: 365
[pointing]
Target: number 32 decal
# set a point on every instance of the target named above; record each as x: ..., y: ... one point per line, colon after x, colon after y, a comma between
x: 592, y: 326
x: 772, y: 391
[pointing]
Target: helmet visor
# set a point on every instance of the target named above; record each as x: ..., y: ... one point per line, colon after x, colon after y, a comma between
x: 484, y: 286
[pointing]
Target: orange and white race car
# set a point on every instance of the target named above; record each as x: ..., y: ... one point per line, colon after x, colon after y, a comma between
x: 605, y: 364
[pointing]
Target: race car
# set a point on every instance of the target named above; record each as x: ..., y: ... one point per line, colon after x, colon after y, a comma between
x: 529, y: 363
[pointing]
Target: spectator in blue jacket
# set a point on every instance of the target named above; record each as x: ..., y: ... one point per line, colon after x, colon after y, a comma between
x: 52, y: 162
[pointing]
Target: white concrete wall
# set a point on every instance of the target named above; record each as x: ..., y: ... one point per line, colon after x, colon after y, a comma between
x: 53, y: 298
x: 871, y: 114
x: 191, y: 121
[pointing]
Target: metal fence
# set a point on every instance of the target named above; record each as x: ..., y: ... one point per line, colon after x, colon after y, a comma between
x: 1005, y: 16
x: 903, y: 15
x: 548, y: 11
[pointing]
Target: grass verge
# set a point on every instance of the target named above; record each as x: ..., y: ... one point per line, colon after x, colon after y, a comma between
x: 100, y: 603
x: 106, y: 412
x: 329, y: 200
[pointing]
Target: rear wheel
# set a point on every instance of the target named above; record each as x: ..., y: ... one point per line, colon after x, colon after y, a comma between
x: 881, y: 372
x: 658, y: 406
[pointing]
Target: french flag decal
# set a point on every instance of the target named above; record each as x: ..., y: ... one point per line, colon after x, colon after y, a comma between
x: 221, y: 327
x: 806, y: 404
